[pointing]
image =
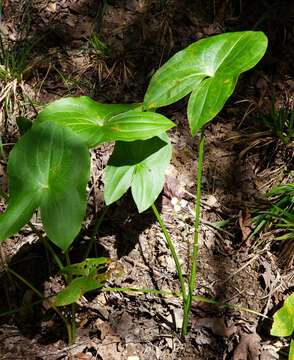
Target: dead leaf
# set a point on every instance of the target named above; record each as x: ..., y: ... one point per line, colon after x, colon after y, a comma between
x: 248, y: 347
x: 245, y: 224
x: 81, y: 356
x: 51, y: 7
x: 268, y: 275
x: 216, y: 325
x: 171, y: 187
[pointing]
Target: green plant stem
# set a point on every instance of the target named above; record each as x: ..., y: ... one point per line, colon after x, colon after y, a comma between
x: 46, y: 244
x: 174, y: 254
x: 143, y: 290
x: 178, y: 294
x: 192, y: 278
x: 37, y: 292
x: 95, y: 230
x: 73, y: 306
x: 21, y: 308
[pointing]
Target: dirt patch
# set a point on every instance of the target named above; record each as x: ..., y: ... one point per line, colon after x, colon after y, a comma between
x: 240, y: 166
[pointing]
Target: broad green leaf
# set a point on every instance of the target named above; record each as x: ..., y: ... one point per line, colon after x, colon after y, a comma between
x: 96, y: 123
x: 210, y: 67
x: 135, y: 125
x: 87, y: 267
x: 77, y: 288
x: 140, y: 165
x: 47, y: 168
x: 283, y: 324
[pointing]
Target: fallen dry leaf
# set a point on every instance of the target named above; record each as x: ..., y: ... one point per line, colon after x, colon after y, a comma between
x: 245, y: 224
x: 248, y: 347
x: 216, y: 325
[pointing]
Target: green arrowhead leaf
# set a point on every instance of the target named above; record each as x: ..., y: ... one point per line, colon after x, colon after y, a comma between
x: 140, y: 165
x: 47, y: 168
x: 209, y: 68
x: 283, y: 324
x: 77, y: 288
x: 96, y: 123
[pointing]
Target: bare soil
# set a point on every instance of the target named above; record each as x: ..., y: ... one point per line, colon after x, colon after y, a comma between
x: 242, y: 162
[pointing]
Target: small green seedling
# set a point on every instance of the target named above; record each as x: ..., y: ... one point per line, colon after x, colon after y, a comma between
x: 85, y: 276
x: 283, y: 324
x: 48, y: 168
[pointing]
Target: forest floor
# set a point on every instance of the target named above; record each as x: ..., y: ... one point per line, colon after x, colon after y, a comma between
x: 57, y: 55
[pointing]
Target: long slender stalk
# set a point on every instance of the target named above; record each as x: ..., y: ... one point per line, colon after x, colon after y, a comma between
x: 95, y: 230
x: 193, y: 273
x: 46, y: 245
x: 178, y: 294
x: 73, y: 306
x: 174, y: 253
x: 37, y: 292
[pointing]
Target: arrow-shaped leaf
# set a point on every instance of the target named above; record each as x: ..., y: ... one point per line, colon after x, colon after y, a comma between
x: 140, y: 165
x: 47, y: 168
x: 209, y: 68
x: 96, y: 123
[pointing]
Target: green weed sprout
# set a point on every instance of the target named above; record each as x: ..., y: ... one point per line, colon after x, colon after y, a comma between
x: 49, y: 166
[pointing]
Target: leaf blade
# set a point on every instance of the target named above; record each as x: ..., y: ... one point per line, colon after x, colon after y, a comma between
x: 77, y: 288
x: 283, y: 324
x: 18, y: 212
x: 117, y: 181
x: 96, y: 123
x: 149, y: 179
x: 134, y: 125
x: 226, y: 55
x: 206, y: 101
x: 48, y: 165
x: 146, y: 162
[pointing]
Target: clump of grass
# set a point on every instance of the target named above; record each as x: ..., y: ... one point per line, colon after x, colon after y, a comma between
x: 281, y: 123
x: 279, y: 216
x: 98, y: 46
x: 14, y: 65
